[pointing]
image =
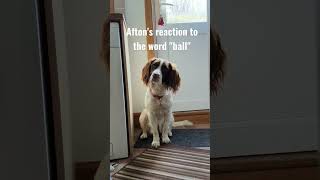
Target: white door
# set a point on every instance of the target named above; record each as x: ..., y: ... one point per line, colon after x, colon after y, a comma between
x: 118, y: 127
x: 193, y: 64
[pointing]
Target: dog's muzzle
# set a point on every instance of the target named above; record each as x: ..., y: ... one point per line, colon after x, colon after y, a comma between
x: 155, y: 77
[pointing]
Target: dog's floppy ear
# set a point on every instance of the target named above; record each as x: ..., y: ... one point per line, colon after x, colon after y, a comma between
x: 146, y: 71
x: 217, y: 62
x: 174, y: 78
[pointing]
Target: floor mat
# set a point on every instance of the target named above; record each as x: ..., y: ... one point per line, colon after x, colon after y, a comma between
x: 182, y: 137
x: 168, y: 163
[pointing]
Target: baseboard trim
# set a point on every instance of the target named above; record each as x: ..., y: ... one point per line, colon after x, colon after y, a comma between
x: 197, y: 117
x: 265, y: 162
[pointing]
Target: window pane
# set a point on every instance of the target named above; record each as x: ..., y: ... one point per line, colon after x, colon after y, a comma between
x: 184, y: 11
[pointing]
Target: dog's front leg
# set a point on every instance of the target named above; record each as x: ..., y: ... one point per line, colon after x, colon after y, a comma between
x: 171, y: 120
x: 166, y: 128
x: 154, y: 128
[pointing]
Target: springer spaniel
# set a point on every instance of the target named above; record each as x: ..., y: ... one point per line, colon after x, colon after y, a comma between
x: 163, y: 80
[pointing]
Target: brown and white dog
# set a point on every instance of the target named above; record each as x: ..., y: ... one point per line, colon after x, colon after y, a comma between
x: 163, y: 80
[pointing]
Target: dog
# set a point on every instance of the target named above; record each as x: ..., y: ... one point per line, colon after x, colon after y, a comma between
x: 162, y: 80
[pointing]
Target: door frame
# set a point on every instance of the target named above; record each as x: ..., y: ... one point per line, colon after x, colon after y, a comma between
x: 119, y: 18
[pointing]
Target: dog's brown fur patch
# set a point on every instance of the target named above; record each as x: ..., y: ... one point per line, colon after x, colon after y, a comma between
x: 146, y: 71
x: 174, y: 78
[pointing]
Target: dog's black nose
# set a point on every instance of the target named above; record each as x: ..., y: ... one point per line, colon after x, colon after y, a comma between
x: 155, y: 77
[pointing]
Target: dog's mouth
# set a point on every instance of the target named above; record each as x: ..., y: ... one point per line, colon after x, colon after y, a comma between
x: 155, y: 80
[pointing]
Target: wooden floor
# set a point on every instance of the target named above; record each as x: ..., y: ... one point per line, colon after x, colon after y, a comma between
x: 278, y: 173
x: 302, y: 173
x: 123, y: 162
x: 200, y: 120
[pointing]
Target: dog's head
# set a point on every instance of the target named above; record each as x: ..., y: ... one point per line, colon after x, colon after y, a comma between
x: 161, y: 72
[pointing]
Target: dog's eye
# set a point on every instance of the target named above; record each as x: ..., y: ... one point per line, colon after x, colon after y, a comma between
x: 154, y: 65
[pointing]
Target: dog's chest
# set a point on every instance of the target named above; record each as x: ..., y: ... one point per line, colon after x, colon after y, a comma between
x: 159, y: 104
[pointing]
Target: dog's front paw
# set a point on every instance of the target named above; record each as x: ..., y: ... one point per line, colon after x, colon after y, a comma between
x: 143, y: 136
x: 170, y: 133
x: 165, y: 140
x: 155, y: 144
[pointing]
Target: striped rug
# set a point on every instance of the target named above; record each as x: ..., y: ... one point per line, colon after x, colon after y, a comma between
x: 167, y: 163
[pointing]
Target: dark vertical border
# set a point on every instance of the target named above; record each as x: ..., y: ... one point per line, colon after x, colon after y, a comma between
x: 317, y: 7
x: 51, y: 89
x: 211, y: 103
x: 109, y: 8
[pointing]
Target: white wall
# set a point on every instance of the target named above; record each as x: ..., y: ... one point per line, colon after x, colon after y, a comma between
x: 135, y: 17
x: 186, y: 99
x: 193, y: 66
x: 88, y: 82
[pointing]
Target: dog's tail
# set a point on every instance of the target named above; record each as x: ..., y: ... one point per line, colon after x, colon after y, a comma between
x: 182, y: 123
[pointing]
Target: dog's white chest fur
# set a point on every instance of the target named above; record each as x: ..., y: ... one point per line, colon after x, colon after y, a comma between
x: 157, y: 117
x: 158, y: 104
